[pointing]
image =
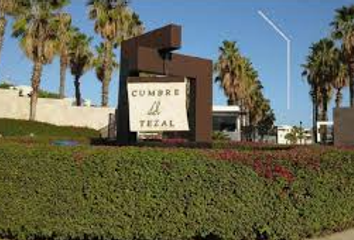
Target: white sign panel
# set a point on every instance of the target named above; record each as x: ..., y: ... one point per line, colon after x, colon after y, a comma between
x: 157, y: 106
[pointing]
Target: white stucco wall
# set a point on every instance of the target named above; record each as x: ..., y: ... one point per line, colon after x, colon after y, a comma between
x: 53, y: 111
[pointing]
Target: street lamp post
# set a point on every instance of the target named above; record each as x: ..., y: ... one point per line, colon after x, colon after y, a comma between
x: 288, y: 50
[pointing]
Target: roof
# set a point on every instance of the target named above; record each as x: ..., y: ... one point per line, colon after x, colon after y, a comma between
x: 231, y: 109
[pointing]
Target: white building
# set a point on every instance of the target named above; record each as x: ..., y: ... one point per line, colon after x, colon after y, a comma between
x: 227, y: 119
x: 283, y: 130
x: 329, y: 126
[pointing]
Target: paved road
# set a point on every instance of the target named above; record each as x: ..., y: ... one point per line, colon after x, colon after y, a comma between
x: 348, y: 235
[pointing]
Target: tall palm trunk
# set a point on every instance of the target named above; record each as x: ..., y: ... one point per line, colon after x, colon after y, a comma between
x: 3, y: 23
x: 314, y: 115
x: 77, y: 90
x: 63, y: 66
x: 339, y: 97
x: 35, y: 81
x: 105, y: 93
x: 107, y: 66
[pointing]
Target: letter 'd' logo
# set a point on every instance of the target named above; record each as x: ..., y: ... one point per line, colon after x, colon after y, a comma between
x: 155, y: 109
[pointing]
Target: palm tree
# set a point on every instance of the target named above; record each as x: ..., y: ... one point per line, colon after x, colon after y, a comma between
x: 325, y: 51
x: 343, y: 30
x: 310, y: 72
x: 341, y: 78
x: 320, y: 70
x: 37, y: 36
x: 63, y: 25
x: 98, y: 64
x: 80, y: 55
x: 252, y: 93
x: 230, y: 70
x: 7, y: 7
x: 115, y: 22
x: 241, y: 85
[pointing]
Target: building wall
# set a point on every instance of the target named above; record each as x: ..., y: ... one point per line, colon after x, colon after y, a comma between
x: 53, y: 111
x: 343, y: 126
x: 281, y: 133
x: 283, y: 130
x: 228, y: 123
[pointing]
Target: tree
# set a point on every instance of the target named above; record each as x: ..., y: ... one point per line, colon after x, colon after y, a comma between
x: 343, y: 30
x: 98, y: 64
x: 300, y: 133
x: 80, y: 55
x: 8, y: 7
x: 230, y: 70
x: 64, y: 30
x: 341, y: 78
x: 266, y: 124
x: 310, y: 72
x: 241, y: 85
x: 320, y: 70
x: 253, y: 99
x: 37, y: 36
x: 291, y: 137
x: 115, y: 22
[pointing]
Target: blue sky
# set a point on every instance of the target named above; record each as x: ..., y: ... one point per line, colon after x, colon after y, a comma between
x: 205, y: 25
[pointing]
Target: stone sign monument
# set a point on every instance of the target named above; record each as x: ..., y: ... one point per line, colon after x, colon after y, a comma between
x: 159, y: 103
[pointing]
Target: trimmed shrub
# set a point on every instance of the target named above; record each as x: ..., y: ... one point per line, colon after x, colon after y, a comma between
x: 22, y: 128
x: 128, y: 193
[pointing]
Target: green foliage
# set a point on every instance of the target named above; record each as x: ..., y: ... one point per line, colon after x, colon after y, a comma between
x: 46, y: 94
x: 220, y: 136
x: 297, y: 135
x: 242, y: 86
x: 41, y: 93
x: 48, y: 192
x: 21, y: 128
x: 5, y: 85
x: 292, y: 136
x: 266, y: 124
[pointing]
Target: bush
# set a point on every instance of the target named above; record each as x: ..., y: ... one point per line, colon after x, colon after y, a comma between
x: 5, y: 85
x: 127, y: 193
x: 249, y: 146
x: 22, y: 128
x: 46, y: 94
x: 220, y: 136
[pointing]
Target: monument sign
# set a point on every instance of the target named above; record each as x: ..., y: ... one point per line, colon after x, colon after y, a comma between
x: 159, y: 103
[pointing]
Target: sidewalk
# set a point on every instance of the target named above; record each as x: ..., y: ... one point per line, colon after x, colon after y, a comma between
x: 347, y: 235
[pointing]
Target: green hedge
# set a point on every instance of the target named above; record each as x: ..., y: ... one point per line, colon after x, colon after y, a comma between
x: 22, y: 128
x: 48, y: 192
